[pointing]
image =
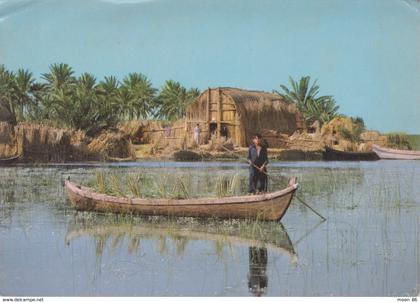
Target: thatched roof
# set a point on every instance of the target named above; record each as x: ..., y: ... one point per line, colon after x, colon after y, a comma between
x: 253, y: 105
x: 242, y: 95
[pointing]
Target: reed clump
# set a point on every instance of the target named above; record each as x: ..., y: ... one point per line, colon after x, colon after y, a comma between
x: 165, y: 185
x: 179, y: 190
x: 134, y: 184
x: 100, y: 183
x: 398, y: 140
x: 115, y: 185
x: 228, y: 187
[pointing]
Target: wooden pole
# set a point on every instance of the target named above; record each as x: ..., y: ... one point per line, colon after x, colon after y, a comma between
x: 219, y: 114
x: 297, y: 197
x: 208, y: 115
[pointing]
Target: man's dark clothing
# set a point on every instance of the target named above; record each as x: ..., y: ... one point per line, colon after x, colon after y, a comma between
x: 257, y: 179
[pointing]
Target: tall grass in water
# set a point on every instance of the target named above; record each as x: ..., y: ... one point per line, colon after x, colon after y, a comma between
x: 228, y: 187
x: 167, y: 186
x: 133, y: 183
x: 235, y: 184
x: 180, y: 190
x: 115, y: 185
x: 101, y: 183
x: 222, y: 185
x: 161, y: 186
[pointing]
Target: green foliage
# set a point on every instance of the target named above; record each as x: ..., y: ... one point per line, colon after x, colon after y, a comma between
x: 18, y: 92
x: 133, y: 182
x: 174, y: 99
x: 6, y: 89
x: 310, y: 105
x: 358, y: 128
x: 398, y: 140
x: 79, y: 102
x: 137, y: 96
x: 66, y: 100
x: 353, y: 135
x: 101, y: 186
x: 414, y: 141
x: 179, y: 190
x: 347, y: 134
x: 235, y: 184
x: 222, y: 186
x: 116, y: 188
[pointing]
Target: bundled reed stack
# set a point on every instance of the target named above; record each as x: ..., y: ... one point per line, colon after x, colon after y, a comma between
x: 142, y: 132
x: 39, y: 143
x: 8, y: 146
x: 112, y: 145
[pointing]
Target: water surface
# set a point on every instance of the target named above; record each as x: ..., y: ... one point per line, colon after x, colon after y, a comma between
x: 368, y: 245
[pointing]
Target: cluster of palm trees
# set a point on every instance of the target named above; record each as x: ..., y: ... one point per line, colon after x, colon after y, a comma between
x: 83, y: 103
x: 311, y: 106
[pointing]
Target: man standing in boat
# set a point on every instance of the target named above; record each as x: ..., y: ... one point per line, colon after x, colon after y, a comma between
x: 258, y: 160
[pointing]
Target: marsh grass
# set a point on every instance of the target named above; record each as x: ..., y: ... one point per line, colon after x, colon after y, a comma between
x: 161, y: 186
x: 228, y: 187
x: 134, y: 184
x: 222, y: 184
x: 101, y: 183
x: 115, y: 185
x: 168, y: 186
x: 235, y: 184
x: 179, y: 189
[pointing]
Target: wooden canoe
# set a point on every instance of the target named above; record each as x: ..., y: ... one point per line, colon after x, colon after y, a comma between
x: 333, y: 154
x: 387, y: 153
x: 268, y: 206
x: 9, y: 160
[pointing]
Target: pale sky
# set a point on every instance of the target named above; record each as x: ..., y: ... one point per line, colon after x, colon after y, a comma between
x: 363, y: 52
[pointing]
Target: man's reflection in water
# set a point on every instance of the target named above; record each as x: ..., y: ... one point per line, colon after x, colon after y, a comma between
x: 257, y: 277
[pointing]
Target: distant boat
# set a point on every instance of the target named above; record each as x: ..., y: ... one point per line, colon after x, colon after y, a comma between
x: 268, y: 206
x: 9, y: 160
x: 334, y: 154
x: 387, y: 153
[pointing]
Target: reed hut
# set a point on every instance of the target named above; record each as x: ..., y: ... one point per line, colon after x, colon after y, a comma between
x: 237, y: 114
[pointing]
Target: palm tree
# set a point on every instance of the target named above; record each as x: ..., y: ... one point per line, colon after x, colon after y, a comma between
x: 304, y: 96
x: 7, y: 91
x: 59, y: 87
x: 322, y: 109
x: 24, y: 88
x: 61, y: 76
x: 174, y: 99
x: 108, y: 101
x: 82, y: 110
x: 109, y: 86
x: 137, y: 96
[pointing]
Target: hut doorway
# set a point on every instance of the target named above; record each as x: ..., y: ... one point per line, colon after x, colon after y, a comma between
x: 224, y: 131
x: 213, y: 130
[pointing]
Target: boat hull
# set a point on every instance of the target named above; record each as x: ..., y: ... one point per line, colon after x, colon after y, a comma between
x: 387, y: 153
x: 331, y: 154
x: 269, y: 206
x: 10, y: 160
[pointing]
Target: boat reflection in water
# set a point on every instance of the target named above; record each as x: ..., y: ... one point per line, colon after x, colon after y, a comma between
x: 260, y: 237
x: 257, y: 277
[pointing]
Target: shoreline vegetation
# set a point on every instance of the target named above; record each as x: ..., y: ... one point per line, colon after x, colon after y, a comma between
x: 68, y: 118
